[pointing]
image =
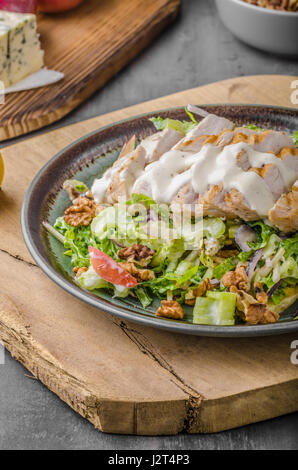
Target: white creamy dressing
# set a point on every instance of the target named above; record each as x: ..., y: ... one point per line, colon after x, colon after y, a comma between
x: 130, y: 168
x: 216, y: 166
x: 212, y: 165
x: 100, y: 186
x: 164, y: 178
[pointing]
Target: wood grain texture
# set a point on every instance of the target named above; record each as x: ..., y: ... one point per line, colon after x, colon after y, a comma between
x: 139, y: 380
x: 89, y: 45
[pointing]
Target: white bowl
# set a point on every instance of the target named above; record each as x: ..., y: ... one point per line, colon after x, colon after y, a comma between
x: 270, y: 30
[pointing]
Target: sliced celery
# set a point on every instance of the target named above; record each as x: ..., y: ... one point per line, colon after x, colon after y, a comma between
x: 218, y: 308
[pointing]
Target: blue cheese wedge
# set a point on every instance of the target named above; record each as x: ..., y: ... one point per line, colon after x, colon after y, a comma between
x: 20, y: 51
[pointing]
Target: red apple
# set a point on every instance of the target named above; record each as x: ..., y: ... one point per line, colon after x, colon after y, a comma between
x: 19, y: 6
x: 56, y: 6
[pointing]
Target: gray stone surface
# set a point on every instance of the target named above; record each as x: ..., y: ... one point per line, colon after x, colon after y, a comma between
x: 196, y: 50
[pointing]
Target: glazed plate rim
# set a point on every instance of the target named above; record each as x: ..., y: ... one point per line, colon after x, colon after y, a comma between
x: 165, y: 324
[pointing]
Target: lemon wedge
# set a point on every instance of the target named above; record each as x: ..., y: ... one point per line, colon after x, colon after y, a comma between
x: 1, y: 169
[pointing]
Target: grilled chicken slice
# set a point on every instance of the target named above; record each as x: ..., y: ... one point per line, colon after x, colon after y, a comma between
x: 236, y: 203
x: 262, y: 141
x: 289, y: 156
x: 160, y: 143
x: 213, y: 203
x: 284, y: 214
x: 187, y: 196
x: 117, y: 182
x: 122, y: 178
x: 239, y: 134
x: 273, y: 178
x: 271, y: 141
x: 206, y: 132
x: 167, y: 158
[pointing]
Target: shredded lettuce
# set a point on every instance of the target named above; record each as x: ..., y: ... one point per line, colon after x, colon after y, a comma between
x: 143, y: 296
x: 290, y: 246
x: 77, y: 240
x: 228, y: 265
x: 263, y: 232
x: 181, y: 126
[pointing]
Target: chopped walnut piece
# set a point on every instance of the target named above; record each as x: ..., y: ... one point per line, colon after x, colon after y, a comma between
x: 261, y: 295
x: 253, y: 312
x: 81, y: 212
x: 237, y: 278
x: 140, y: 274
x: 139, y: 254
x: 170, y: 309
x: 260, y: 315
x: 284, y: 5
x: 227, y: 253
x: 80, y: 271
x: 199, y: 291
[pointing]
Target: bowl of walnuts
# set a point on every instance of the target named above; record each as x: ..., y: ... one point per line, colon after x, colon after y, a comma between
x: 270, y: 25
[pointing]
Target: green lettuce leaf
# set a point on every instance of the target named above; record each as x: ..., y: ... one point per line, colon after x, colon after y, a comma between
x: 181, y: 126
x: 263, y: 232
x: 290, y: 246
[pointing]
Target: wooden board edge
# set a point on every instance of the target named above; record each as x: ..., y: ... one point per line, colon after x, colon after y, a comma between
x: 106, y: 414
x: 123, y: 57
x: 192, y: 414
x: 249, y: 407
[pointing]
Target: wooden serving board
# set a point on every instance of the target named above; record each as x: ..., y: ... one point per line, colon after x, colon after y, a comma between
x: 89, y: 45
x: 122, y: 377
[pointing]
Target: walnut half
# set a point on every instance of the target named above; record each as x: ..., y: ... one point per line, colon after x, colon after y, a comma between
x: 139, y: 254
x: 141, y: 275
x: 199, y: 291
x: 170, y: 309
x: 81, y: 212
x: 261, y: 295
x: 80, y: 271
x: 237, y: 278
x: 253, y: 312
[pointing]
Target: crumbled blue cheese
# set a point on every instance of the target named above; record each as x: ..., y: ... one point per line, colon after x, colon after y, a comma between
x: 20, y: 51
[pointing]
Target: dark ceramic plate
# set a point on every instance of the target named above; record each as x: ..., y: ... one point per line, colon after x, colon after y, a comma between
x: 88, y: 158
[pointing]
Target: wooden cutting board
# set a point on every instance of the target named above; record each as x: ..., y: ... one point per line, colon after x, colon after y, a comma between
x: 127, y: 378
x: 89, y: 45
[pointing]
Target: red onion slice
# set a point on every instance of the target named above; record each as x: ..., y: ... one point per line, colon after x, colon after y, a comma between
x: 117, y: 243
x: 253, y: 263
x: 243, y: 235
x: 273, y: 288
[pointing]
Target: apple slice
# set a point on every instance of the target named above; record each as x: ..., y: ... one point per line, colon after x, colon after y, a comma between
x: 56, y: 6
x: 19, y: 6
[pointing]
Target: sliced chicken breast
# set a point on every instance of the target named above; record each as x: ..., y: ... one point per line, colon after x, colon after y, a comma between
x: 117, y: 182
x: 206, y: 132
x: 284, y: 214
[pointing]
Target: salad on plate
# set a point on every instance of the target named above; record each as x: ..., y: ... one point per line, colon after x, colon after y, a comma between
x: 201, y: 214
